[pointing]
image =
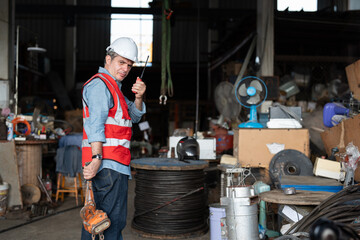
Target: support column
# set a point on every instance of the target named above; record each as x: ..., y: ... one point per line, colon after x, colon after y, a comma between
x: 213, y: 36
x: 4, y: 54
x: 265, y: 40
x: 70, y: 48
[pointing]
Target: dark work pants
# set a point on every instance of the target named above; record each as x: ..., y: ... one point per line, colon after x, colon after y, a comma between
x: 110, y: 193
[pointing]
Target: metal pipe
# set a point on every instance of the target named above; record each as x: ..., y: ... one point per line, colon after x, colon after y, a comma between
x: 197, y: 70
x: 16, y: 96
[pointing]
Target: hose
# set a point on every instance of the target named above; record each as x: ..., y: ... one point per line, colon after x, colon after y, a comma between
x: 170, y: 202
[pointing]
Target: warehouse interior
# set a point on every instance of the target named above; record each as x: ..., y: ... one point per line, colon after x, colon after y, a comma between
x: 250, y: 125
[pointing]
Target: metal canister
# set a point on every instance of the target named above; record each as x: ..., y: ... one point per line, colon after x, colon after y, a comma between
x: 241, y: 214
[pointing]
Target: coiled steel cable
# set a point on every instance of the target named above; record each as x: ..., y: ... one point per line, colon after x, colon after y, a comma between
x: 342, y: 207
x: 187, y: 211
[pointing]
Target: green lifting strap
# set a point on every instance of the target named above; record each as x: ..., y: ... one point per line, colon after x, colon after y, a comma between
x: 166, y: 88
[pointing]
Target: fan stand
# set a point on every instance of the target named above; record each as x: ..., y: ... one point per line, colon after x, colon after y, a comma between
x: 252, y: 123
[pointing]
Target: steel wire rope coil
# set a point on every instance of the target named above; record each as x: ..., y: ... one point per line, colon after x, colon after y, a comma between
x: 340, y: 207
x: 154, y: 189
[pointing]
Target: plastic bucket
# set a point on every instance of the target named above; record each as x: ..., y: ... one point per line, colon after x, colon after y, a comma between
x: 4, y: 188
x: 217, y: 212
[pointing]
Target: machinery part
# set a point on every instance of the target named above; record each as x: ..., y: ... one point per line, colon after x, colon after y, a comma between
x: 94, y: 221
x: 289, y: 191
x: 162, y: 99
x: 188, y: 148
x: 125, y: 47
x: 241, y: 214
x: 290, y: 162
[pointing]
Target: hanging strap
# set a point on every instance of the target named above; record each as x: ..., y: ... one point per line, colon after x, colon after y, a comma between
x: 166, y: 88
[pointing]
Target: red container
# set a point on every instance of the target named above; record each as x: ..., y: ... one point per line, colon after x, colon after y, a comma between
x: 224, y: 142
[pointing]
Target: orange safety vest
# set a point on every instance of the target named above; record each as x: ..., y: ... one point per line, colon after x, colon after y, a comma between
x: 117, y: 126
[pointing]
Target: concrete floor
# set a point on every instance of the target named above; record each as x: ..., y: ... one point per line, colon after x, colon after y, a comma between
x: 66, y: 224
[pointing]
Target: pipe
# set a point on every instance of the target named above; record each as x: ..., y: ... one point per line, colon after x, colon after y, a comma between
x: 16, y: 96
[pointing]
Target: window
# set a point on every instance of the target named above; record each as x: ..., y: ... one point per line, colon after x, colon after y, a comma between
x: 136, y: 26
x: 297, y: 5
x: 354, y: 5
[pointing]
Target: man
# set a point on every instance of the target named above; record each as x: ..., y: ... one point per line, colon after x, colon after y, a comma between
x: 108, y: 117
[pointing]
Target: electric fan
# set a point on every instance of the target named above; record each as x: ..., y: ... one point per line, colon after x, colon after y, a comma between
x: 225, y: 102
x: 251, y: 92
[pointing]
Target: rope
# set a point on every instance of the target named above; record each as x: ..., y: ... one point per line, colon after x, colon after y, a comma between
x: 170, y: 202
x: 166, y: 88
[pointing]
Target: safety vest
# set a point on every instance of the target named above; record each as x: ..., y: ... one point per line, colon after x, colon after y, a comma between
x: 117, y: 126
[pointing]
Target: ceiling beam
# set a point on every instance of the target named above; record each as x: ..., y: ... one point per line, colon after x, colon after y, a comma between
x: 67, y: 9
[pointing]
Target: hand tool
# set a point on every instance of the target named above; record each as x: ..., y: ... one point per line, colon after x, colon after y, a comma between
x: 142, y: 73
x: 94, y: 221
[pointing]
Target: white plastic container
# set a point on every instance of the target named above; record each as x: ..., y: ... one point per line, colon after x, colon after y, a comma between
x: 3, y: 197
x: 10, y: 131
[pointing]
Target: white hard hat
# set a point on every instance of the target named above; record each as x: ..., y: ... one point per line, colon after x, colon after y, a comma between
x: 125, y: 47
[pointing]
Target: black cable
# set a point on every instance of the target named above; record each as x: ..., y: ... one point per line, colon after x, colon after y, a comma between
x: 340, y: 207
x: 187, y: 212
x: 38, y: 219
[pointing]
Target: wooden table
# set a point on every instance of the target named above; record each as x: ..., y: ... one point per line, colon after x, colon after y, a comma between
x: 300, y: 198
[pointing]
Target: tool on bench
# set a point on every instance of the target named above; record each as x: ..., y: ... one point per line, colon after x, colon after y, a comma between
x: 142, y: 73
x: 94, y: 221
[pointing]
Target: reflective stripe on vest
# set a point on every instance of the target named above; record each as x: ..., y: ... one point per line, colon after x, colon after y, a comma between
x: 117, y: 126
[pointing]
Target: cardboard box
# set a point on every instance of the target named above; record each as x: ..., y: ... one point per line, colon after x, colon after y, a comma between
x: 256, y: 147
x: 327, y: 168
x: 353, y: 76
x: 341, y: 135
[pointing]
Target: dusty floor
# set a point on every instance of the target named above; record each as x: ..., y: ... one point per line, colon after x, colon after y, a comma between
x: 66, y: 224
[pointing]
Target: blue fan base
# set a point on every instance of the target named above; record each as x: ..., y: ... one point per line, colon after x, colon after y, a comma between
x: 251, y: 125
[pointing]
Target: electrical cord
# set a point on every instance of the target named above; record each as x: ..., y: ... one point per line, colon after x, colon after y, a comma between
x: 170, y: 202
